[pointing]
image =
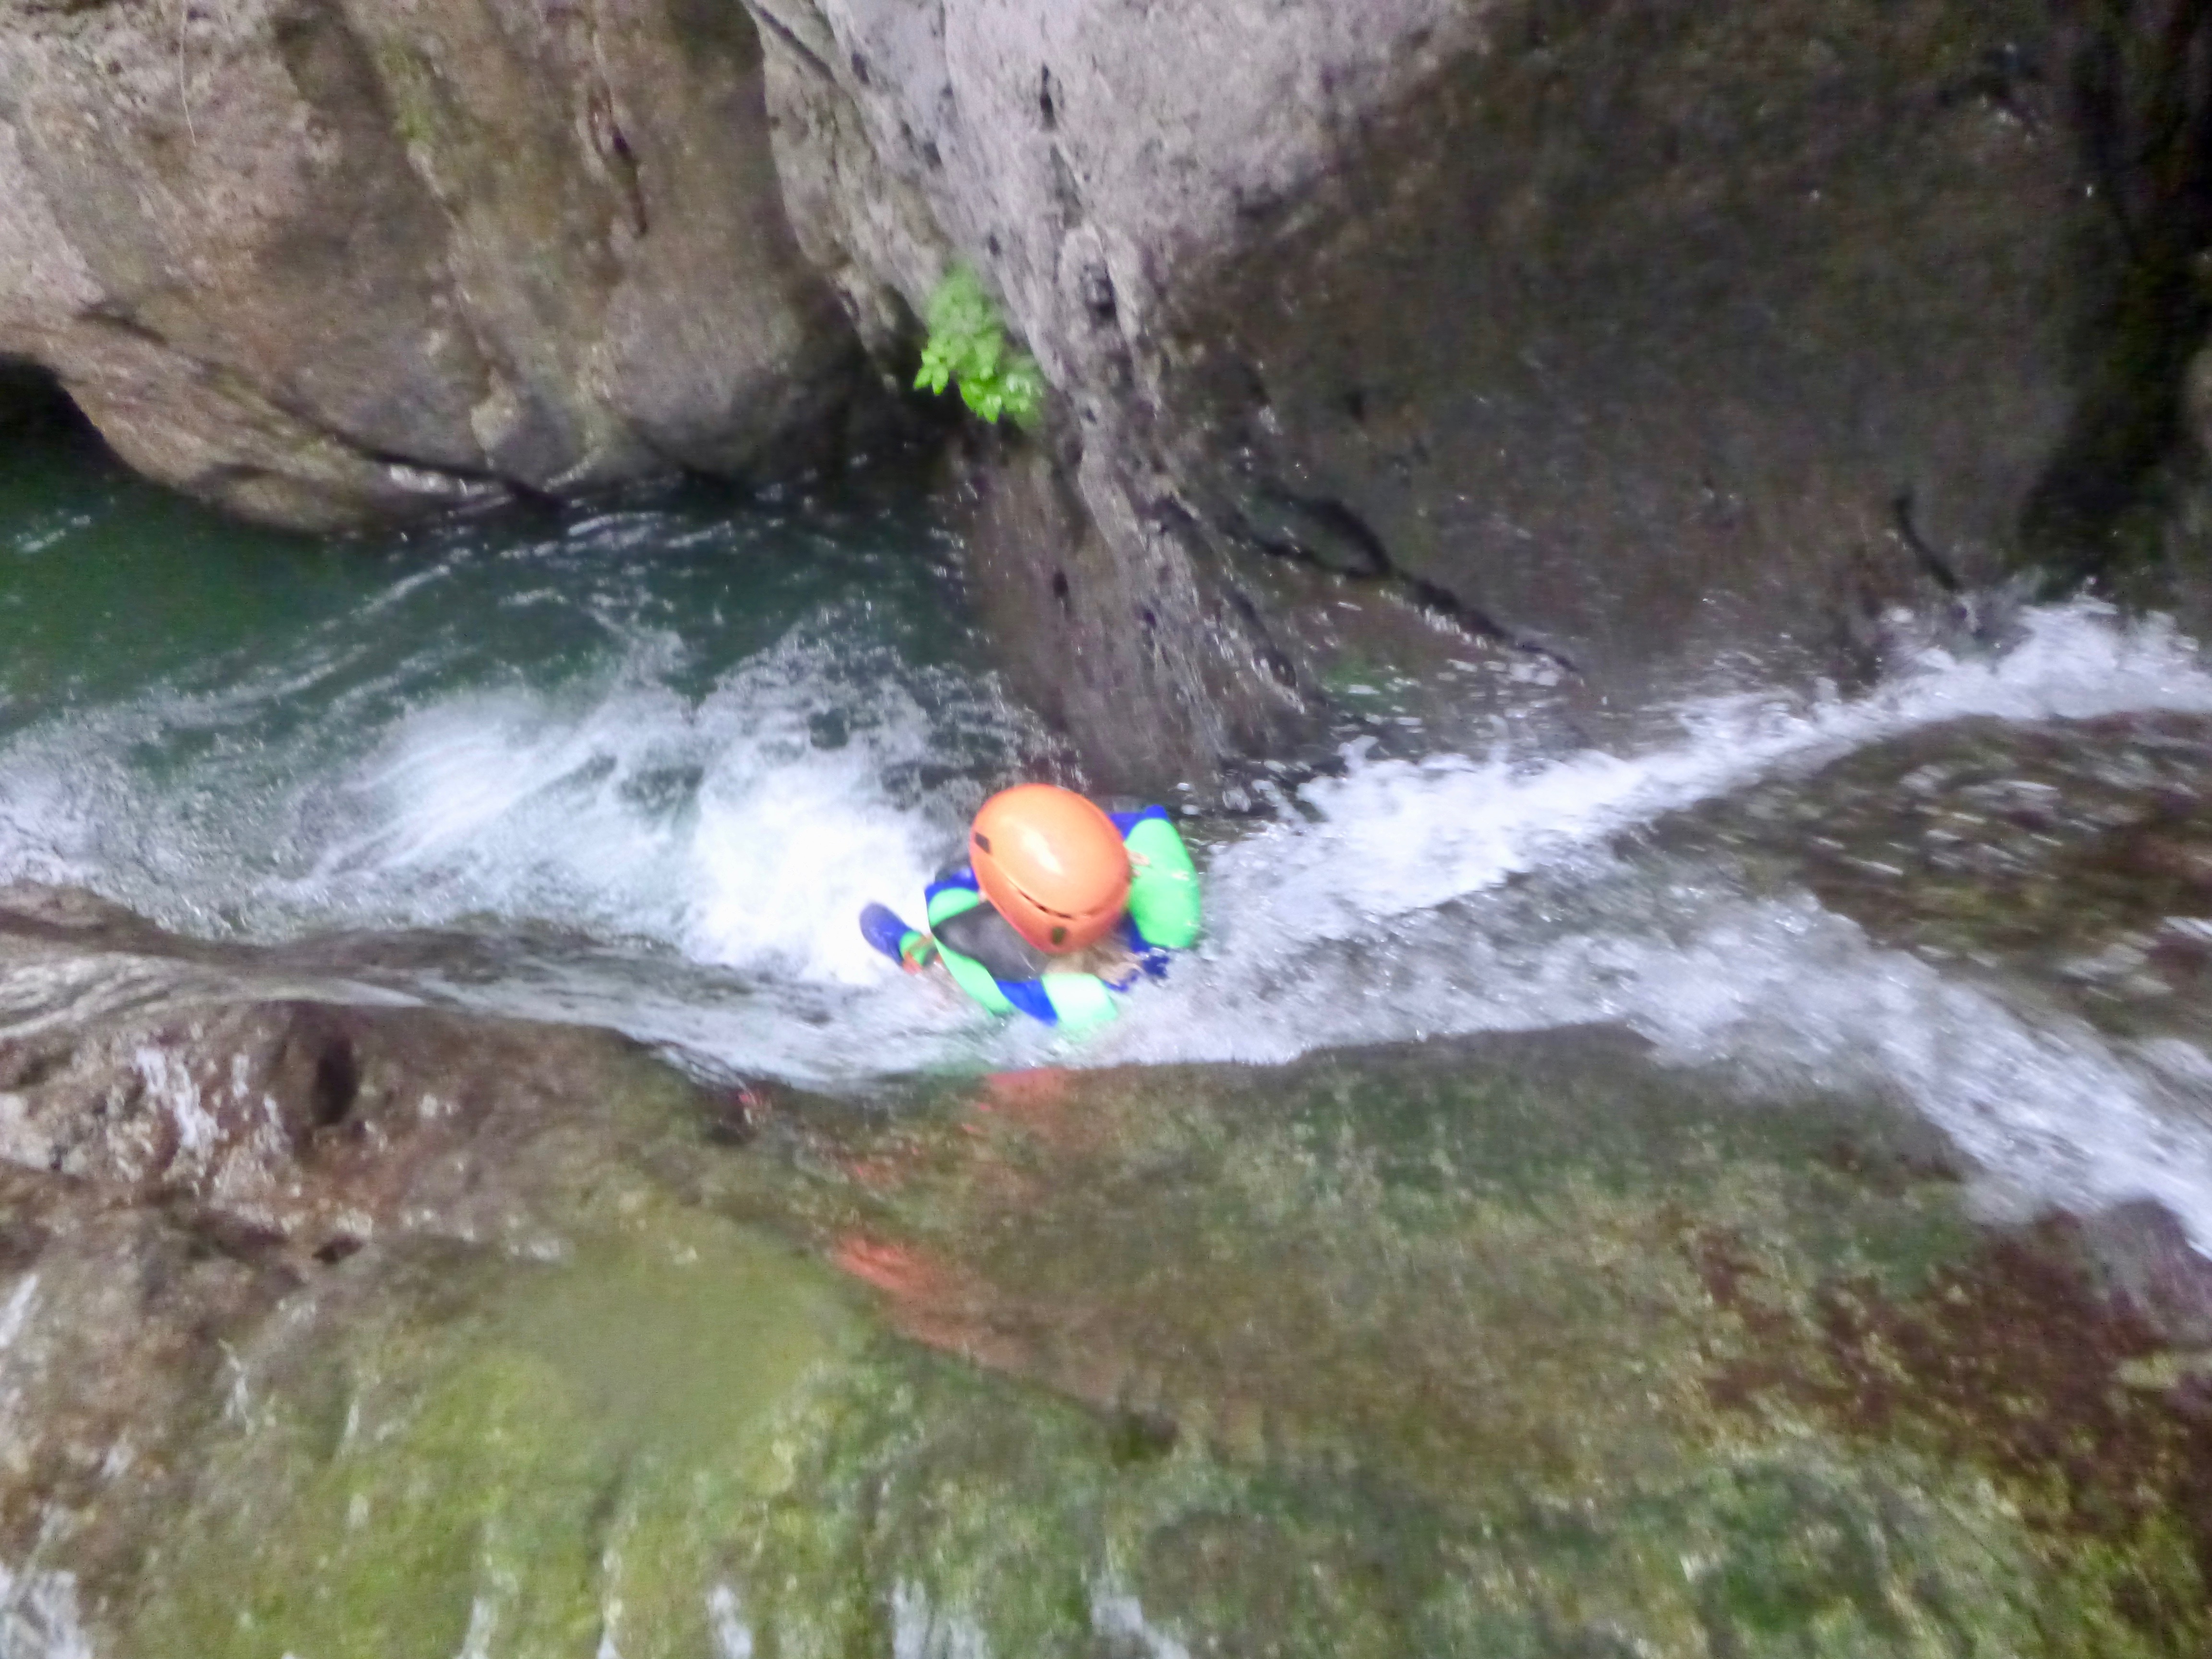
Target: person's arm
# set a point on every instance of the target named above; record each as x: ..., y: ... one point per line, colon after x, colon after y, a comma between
x: 997, y: 968
x: 1164, y: 890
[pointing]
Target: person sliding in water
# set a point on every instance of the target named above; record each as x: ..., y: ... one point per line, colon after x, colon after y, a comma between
x: 1059, y: 906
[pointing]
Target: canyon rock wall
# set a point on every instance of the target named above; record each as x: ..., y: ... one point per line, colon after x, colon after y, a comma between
x: 327, y: 264
x: 1682, y: 346
x: 1657, y: 339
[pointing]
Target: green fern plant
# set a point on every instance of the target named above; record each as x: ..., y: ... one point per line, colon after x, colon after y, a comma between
x: 968, y: 344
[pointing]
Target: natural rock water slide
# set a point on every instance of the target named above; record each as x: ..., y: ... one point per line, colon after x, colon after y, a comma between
x: 1768, y: 1223
x: 397, y: 1333
x: 1691, y: 1131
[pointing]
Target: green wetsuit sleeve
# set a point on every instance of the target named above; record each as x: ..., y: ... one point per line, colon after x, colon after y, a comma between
x: 1081, y: 1000
x: 1162, y: 885
x: 952, y: 901
x: 973, y: 977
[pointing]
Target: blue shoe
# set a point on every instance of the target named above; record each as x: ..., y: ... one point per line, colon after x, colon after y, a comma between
x: 885, y: 932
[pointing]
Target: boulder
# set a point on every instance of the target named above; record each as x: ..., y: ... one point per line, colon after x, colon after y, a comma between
x: 1682, y: 344
x: 202, y: 1079
x: 117, y: 1318
x: 1527, y: 1345
x: 185, y: 1162
x: 1678, y: 346
x: 326, y: 263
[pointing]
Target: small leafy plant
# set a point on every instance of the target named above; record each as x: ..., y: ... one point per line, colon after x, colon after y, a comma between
x: 968, y: 344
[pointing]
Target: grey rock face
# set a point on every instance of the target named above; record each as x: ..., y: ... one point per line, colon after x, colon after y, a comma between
x: 2072, y: 858
x: 1476, y: 1336
x: 202, y: 1079
x: 1683, y: 343
x: 308, y: 1128
x: 1128, y: 635
x: 1651, y: 336
x: 1656, y: 335
x: 324, y: 263
x: 1093, y: 161
x: 118, y: 1319
x: 173, y: 1173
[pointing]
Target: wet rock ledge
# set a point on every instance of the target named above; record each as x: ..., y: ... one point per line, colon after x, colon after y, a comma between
x: 361, y: 1330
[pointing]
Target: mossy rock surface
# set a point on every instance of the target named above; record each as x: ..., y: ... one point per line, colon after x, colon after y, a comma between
x: 1528, y: 1346
x: 2072, y: 856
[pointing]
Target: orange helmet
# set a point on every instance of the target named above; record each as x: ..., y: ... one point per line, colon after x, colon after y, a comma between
x: 1053, y: 863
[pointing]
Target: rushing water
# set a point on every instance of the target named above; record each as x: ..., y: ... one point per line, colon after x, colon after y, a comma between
x: 641, y: 764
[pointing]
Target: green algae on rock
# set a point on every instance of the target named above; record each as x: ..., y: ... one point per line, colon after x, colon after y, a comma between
x: 516, y: 1455
x: 468, y: 1495
x: 1543, y: 1346
x: 1525, y: 1346
x: 2073, y: 855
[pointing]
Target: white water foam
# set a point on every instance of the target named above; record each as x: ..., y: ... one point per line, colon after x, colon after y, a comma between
x: 1398, y: 836
x: 717, y: 827
x: 717, y: 852
x: 1382, y: 919
x: 38, y: 1615
x: 691, y: 865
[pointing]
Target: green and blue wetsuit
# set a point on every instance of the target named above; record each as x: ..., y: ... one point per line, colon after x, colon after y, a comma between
x: 1001, y: 970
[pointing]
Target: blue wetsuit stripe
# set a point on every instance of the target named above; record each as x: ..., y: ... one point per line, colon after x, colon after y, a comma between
x: 1150, y: 957
x: 1028, y: 996
x: 963, y: 880
x: 1124, y: 822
